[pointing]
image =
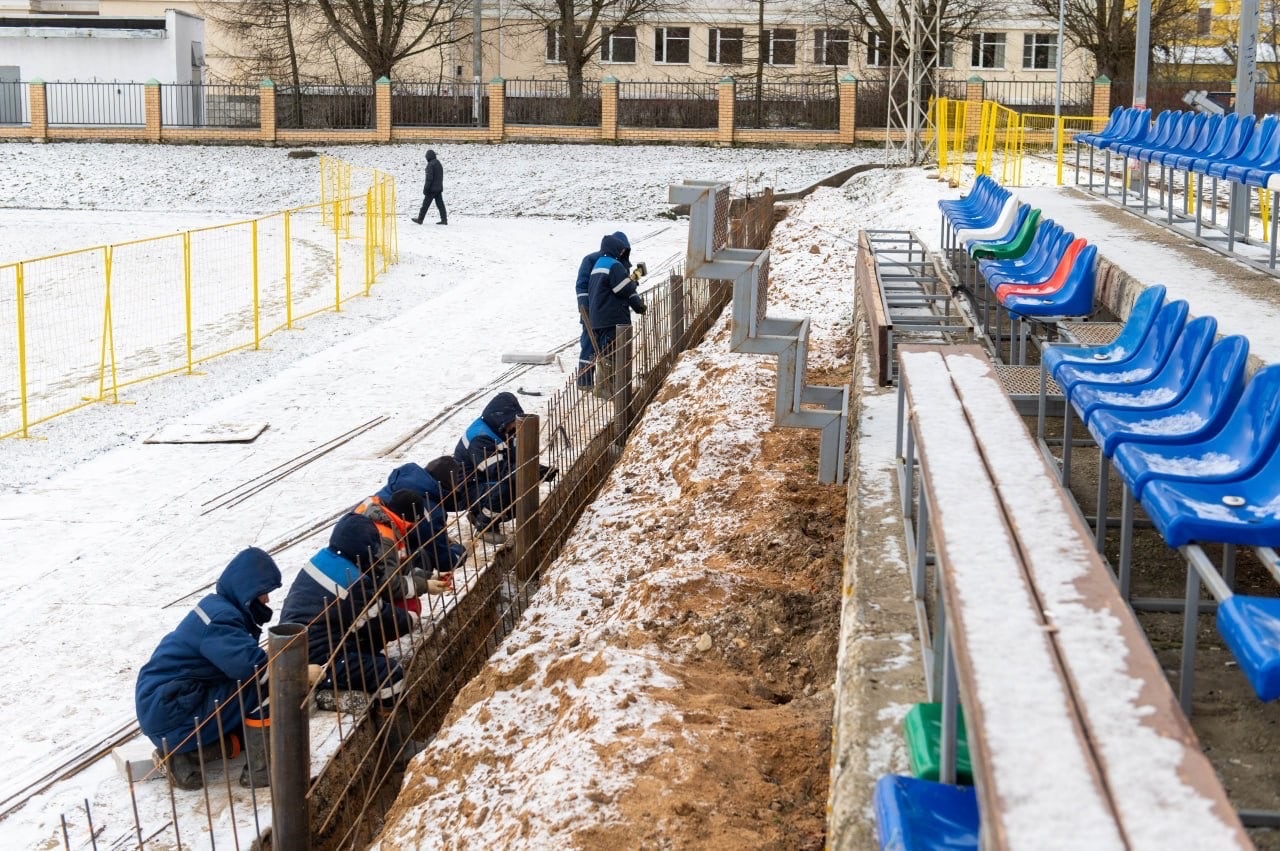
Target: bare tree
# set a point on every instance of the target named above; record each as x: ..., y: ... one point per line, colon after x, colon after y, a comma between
x: 1108, y: 28
x: 384, y: 32
x: 579, y: 27
x: 883, y: 22
x: 267, y: 37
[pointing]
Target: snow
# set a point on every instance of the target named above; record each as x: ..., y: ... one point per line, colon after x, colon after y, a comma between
x: 1188, y: 466
x: 91, y: 513
x: 108, y: 541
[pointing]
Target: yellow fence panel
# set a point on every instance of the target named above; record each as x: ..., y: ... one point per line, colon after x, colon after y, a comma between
x: 76, y: 327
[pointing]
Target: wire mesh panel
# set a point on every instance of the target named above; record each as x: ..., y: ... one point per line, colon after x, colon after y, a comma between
x: 671, y: 104
x: 439, y: 105
x: 807, y: 106
x: 200, y: 105
x: 325, y: 107
x: 64, y: 310
x: 554, y: 102
x: 148, y: 328
x: 720, y: 221
x: 15, y: 106
x: 11, y: 420
x: 222, y: 290
x: 112, y: 104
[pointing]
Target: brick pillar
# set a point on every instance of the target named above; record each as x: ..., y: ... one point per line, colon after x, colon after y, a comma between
x: 39, y: 110
x: 848, y: 108
x: 151, y: 109
x: 609, y: 108
x: 1101, y: 100
x: 972, y: 105
x: 724, y: 132
x: 382, y: 108
x: 497, y: 109
x: 267, y: 111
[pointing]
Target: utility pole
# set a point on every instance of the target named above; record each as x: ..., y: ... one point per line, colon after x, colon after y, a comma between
x: 477, y: 59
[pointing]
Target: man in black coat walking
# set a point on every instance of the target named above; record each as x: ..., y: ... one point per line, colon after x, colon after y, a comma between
x: 433, y: 190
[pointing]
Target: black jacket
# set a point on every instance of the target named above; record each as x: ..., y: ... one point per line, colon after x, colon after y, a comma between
x: 435, y: 175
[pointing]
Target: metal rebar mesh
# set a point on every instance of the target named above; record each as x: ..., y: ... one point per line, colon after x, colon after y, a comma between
x: 579, y: 433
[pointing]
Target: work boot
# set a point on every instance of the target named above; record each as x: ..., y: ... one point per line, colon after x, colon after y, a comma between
x: 183, y: 769
x: 257, y: 743
x: 486, y: 528
x: 416, y: 220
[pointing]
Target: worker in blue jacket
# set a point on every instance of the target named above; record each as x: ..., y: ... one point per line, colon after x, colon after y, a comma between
x: 428, y: 540
x: 189, y: 693
x: 350, y: 620
x: 611, y: 294
x: 587, y: 353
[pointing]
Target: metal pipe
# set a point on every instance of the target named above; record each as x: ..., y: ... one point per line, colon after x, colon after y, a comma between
x: 290, y: 737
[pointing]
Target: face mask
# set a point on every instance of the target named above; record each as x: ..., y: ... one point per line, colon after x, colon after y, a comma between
x: 260, y: 612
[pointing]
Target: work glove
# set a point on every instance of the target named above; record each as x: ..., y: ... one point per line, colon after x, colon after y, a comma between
x: 637, y: 304
x: 547, y: 474
x: 314, y: 674
x: 421, y: 582
x: 639, y: 271
x: 438, y: 586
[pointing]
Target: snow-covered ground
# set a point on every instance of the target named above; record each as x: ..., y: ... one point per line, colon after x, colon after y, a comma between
x: 109, y: 539
x: 109, y: 536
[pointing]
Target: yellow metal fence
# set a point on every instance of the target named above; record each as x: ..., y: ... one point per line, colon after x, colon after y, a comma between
x: 79, y: 326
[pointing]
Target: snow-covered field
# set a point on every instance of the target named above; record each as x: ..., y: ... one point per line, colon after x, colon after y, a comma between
x: 108, y: 539
x: 108, y: 536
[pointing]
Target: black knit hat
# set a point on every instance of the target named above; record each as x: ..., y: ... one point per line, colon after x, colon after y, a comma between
x: 407, y: 504
x: 356, y: 539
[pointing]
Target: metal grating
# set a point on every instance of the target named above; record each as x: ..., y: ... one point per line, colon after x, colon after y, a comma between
x: 1091, y: 333
x: 762, y: 290
x: 720, y: 226
x: 1024, y: 381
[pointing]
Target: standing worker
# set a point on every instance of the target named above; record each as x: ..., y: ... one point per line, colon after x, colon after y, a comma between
x: 433, y: 190
x: 611, y: 296
x: 587, y: 353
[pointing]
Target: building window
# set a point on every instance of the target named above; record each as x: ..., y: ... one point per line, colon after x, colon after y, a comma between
x: 555, y: 45
x: 877, y: 50
x: 1039, y: 51
x: 671, y: 45
x: 780, y: 47
x: 946, y: 55
x: 830, y: 47
x: 988, y: 50
x: 1204, y: 21
x: 724, y: 46
x: 618, y: 46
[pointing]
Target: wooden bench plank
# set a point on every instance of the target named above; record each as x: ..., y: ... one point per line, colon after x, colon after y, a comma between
x: 871, y: 295
x: 1161, y: 785
x: 1037, y: 779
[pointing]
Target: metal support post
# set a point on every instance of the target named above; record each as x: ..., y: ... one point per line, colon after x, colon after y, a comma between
x: 290, y: 737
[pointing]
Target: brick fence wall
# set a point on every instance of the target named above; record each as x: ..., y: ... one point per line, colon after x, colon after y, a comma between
x: 725, y: 134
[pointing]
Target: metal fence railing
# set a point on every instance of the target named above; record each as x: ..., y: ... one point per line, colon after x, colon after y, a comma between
x: 15, y: 106
x: 1077, y: 97
x: 439, y: 104
x: 209, y: 105
x: 82, y: 104
x: 668, y: 104
x: 553, y: 102
x: 581, y: 435
x: 806, y: 106
x: 79, y: 326
x: 328, y: 107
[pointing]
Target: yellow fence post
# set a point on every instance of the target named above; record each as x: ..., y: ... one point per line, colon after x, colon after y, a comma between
x: 288, y: 274
x: 337, y: 259
x: 940, y: 122
x: 186, y: 296
x: 22, y: 352
x: 108, y: 348
x: 368, y: 240
x: 257, y: 313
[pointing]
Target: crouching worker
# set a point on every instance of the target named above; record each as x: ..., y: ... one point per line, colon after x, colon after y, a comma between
x: 486, y: 458
x: 396, y: 517
x: 350, y: 621
x: 189, y: 694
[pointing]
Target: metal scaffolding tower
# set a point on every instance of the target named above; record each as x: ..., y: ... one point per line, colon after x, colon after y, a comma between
x: 915, y: 47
